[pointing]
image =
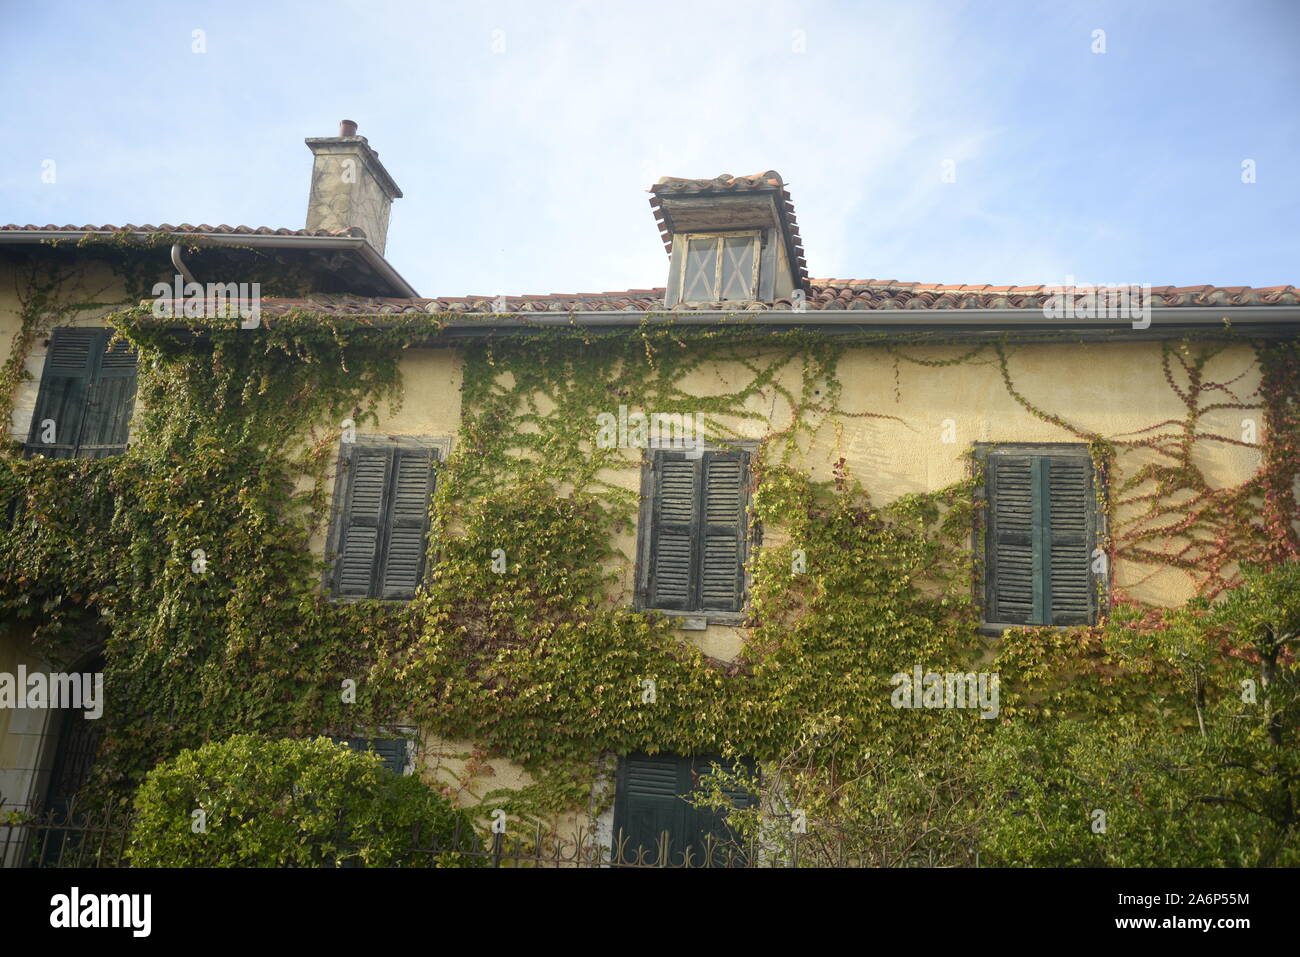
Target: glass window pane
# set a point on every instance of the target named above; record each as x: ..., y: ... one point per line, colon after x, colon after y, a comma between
x: 701, y: 270
x: 738, y: 266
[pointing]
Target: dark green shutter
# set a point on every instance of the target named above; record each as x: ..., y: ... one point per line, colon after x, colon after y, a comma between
x: 697, y: 532
x: 1040, y: 535
x: 392, y: 751
x: 65, y: 388
x: 711, y: 823
x: 88, y: 390
x: 1070, y: 536
x: 385, y: 521
x: 1010, y: 569
x: 674, y: 522
x: 648, y: 803
x: 723, y: 528
x: 650, y: 800
x: 408, y: 519
x: 111, y: 400
x: 363, y: 518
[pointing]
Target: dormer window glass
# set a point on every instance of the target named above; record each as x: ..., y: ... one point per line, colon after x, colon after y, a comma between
x: 721, y: 266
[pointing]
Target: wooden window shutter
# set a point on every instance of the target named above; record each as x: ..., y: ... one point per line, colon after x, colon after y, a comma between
x: 674, y: 521
x: 713, y: 823
x: 110, y: 402
x: 651, y: 799
x: 363, y: 520
x: 392, y: 751
x: 648, y: 803
x: 1071, y: 507
x: 700, y: 269
x: 65, y: 388
x: 408, y: 523
x: 1041, y: 528
x: 738, y: 267
x: 385, y: 522
x: 697, y: 532
x: 723, y: 531
x: 1011, y: 570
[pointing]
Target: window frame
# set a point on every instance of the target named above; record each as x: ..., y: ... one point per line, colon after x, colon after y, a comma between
x: 751, y: 538
x: 757, y: 235
x: 441, y: 445
x: 1096, y: 527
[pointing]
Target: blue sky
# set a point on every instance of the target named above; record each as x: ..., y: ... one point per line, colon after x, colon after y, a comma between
x: 525, y: 167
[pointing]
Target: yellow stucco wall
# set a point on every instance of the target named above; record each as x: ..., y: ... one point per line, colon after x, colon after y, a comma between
x: 429, y: 408
x: 905, y: 428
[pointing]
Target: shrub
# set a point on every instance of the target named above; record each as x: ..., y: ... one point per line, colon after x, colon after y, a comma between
x: 292, y: 803
x: 1172, y: 745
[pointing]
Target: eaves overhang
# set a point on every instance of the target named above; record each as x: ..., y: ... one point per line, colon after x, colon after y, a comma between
x: 934, y: 326
x: 1168, y: 322
x: 361, y: 247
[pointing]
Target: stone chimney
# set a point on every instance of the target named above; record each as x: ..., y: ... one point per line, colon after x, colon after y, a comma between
x: 349, y: 186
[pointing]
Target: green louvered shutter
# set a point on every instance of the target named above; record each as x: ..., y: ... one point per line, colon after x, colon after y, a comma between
x: 1069, y: 540
x: 1010, y: 569
x: 1041, y: 529
x: 408, y: 523
x: 727, y: 849
x: 723, y: 531
x: 651, y: 798
x: 392, y: 751
x: 363, y: 521
x: 648, y: 803
x: 65, y: 388
x: 673, y: 558
x: 110, y: 403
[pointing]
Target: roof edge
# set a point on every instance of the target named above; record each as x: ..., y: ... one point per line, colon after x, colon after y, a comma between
x: 372, y: 256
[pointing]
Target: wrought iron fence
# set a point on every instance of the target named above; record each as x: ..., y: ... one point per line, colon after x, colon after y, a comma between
x: 68, y: 837
x: 101, y: 839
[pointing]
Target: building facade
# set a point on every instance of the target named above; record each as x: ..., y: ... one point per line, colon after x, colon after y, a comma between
x: 1091, y: 449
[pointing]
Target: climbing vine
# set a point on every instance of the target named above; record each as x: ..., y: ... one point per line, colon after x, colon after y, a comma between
x: 545, y: 663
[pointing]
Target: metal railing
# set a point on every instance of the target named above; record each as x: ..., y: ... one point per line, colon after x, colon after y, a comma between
x: 101, y: 838
x: 63, y: 838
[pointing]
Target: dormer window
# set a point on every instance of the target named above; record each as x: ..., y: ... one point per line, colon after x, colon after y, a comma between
x: 731, y: 239
x: 721, y: 266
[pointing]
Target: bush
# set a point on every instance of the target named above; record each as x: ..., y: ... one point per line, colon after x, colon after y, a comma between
x: 292, y: 803
x: 1175, y: 747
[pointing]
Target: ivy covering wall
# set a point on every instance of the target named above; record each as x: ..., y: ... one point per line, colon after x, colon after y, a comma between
x: 545, y: 663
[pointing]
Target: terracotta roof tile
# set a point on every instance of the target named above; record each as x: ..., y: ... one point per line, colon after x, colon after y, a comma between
x: 769, y: 181
x: 826, y: 294
x: 719, y: 184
